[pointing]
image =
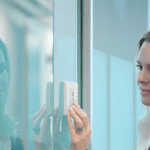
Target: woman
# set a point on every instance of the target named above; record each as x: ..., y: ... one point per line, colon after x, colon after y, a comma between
x: 143, y: 80
x: 8, y: 137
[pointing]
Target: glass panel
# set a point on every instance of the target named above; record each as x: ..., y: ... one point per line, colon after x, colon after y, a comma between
x: 117, y: 28
x: 121, y: 75
x: 100, y: 99
x: 65, y: 64
x: 26, y: 28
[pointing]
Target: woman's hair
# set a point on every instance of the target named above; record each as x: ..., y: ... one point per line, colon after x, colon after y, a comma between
x: 145, y: 38
x: 6, y: 55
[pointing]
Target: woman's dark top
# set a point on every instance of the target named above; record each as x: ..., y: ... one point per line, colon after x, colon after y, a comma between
x: 16, y: 144
x: 7, y: 129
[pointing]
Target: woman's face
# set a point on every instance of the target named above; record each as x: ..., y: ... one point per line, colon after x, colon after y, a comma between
x: 143, y: 76
x: 3, y: 80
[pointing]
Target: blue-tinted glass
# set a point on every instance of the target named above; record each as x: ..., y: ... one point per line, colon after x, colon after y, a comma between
x: 65, y: 63
x: 99, y: 129
x: 121, y: 103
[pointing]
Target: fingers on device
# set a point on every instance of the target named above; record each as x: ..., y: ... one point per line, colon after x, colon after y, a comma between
x: 70, y: 95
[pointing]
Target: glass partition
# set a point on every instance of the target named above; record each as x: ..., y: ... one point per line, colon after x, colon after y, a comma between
x: 26, y: 29
x: 117, y: 107
x: 66, y: 64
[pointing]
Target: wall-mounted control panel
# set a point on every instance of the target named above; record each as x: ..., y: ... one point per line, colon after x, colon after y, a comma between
x: 70, y: 95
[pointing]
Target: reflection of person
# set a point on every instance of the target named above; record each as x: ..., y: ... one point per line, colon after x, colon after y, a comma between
x: 42, y: 137
x: 8, y: 137
x: 8, y: 128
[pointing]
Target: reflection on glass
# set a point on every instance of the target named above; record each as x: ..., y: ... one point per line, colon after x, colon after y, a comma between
x: 8, y: 137
x: 26, y: 29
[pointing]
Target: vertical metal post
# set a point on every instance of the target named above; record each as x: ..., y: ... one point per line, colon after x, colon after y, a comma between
x: 79, y: 51
x: 87, y: 43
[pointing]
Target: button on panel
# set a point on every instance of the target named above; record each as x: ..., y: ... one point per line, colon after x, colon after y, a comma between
x: 70, y: 95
